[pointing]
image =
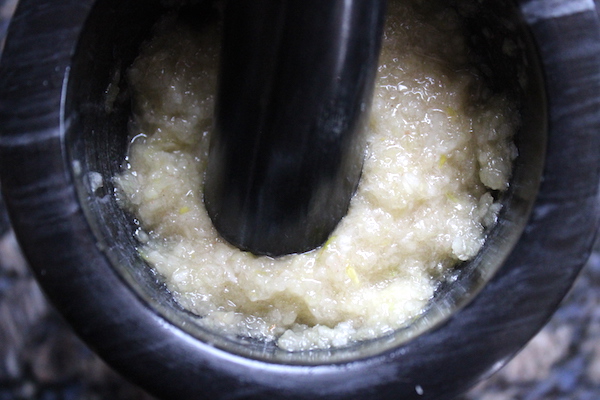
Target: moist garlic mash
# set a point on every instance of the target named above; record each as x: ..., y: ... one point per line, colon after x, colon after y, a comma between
x: 439, y: 145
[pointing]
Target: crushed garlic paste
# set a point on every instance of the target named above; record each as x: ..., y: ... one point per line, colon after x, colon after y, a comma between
x: 437, y: 150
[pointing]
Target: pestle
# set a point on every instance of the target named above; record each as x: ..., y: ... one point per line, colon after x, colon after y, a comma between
x: 295, y: 86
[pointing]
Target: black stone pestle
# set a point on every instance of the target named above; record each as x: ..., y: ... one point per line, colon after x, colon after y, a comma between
x: 295, y: 86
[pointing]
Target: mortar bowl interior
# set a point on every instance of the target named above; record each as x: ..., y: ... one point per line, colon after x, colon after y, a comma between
x: 97, y: 140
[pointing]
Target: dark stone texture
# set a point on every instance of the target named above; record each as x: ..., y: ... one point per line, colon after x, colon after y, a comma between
x: 41, y: 358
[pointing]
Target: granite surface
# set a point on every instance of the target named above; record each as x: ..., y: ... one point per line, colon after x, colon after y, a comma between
x: 40, y: 358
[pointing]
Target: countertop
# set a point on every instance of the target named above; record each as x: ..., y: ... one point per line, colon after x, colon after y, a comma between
x: 40, y: 358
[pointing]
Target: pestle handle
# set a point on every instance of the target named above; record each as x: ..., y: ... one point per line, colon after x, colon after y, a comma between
x: 295, y: 85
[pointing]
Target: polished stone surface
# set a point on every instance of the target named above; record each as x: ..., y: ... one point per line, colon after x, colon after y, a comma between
x: 41, y: 358
x: 563, y: 360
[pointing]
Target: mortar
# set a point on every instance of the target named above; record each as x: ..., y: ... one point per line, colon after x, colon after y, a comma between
x: 64, y: 122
